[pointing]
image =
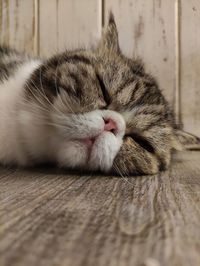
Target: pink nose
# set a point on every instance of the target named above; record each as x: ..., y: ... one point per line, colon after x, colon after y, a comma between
x: 110, y: 125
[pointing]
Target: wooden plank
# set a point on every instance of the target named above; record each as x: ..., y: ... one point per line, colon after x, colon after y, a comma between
x: 68, y: 24
x: 79, y: 23
x: 190, y: 67
x: 147, y: 30
x: 48, y: 27
x: 51, y: 218
x: 17, y: 24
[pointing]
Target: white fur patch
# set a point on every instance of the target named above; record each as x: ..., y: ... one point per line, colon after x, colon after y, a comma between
x: 90, y: 125
x: 104, y: 151
x: 73, y: 154
x: 11, y: 93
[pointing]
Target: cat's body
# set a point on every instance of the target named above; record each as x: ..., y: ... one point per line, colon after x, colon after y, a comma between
x: 84, y: 109
x: 15, y: 69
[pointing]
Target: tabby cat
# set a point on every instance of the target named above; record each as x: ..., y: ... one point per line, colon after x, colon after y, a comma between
x: 84, y: 109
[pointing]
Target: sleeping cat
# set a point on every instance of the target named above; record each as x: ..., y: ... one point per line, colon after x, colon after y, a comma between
x: 84, y: 109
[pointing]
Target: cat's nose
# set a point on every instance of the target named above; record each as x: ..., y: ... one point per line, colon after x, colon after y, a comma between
x: 110, y: 125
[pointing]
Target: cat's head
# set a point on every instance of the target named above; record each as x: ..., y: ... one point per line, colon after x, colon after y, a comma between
x: 107, y: 113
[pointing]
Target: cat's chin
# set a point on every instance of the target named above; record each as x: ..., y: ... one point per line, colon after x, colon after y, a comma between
x: 91, y: 154
x: 104, y: 151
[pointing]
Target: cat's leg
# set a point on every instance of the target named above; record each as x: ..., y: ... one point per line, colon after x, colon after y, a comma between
x: 162, y: 140
x: 134, y: 158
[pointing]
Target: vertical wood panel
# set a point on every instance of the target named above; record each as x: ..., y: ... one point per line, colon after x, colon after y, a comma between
x: 68, y: 24
x: 147, y: 29
x: 48, y: 27
x: 190, y: 65
x: 79, y: 22
x: 17, y: 24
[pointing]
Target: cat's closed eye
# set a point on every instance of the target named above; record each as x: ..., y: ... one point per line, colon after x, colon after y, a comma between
x: 142, y: 142
x: 104, y: 91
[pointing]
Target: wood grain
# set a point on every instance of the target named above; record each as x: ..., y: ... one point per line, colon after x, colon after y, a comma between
x: 48, y: 27
x: 17, y: 24
x: 147, y: 30
x: 53, y: 218
x: 69, y: 24
x: 190, y: 67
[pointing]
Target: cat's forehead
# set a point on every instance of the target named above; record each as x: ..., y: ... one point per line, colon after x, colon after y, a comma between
x: 115, y: 66
x: 110, y: 63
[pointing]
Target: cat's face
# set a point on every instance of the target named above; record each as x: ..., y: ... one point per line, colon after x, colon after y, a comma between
x: 102, y: 106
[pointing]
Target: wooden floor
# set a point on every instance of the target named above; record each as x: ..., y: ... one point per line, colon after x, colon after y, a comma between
x: 51, y: 218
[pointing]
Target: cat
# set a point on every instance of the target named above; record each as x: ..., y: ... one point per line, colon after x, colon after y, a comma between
x: 84, y: 109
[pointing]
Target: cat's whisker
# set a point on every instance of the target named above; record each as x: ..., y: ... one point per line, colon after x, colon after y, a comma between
x: 42, y: 105
x: 45, y: 109
x: 43, y: 95
x: 121, y: 174
x: 66, y: 102
x: 34, y: 94
x: 56, y: 125
x: 41, y: 85
x: 58, y: 94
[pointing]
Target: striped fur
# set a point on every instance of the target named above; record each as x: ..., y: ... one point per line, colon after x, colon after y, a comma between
x: 91, y: 85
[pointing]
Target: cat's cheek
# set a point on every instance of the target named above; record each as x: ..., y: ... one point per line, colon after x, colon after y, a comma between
x: 104, y: 151
x: 72, y: 154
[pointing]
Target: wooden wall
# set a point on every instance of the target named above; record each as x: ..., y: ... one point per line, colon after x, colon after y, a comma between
x: 165, y: 33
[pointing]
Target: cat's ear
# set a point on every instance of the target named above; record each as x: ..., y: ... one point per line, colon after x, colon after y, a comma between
x: 187, y: 140
x: 109, y: 40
